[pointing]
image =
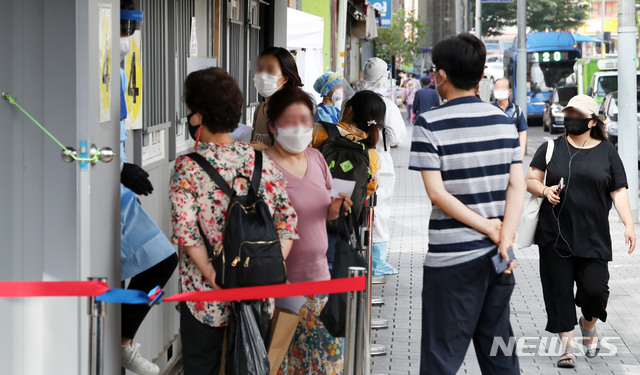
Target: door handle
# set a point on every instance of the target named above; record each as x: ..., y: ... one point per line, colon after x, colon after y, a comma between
x: 104, y: 154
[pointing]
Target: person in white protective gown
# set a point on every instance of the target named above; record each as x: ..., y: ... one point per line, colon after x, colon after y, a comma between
x: 376, y: 78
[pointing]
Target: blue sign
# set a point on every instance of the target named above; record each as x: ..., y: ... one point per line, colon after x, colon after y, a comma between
x: 384, y: 7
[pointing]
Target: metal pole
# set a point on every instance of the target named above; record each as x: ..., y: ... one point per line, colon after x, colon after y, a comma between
x: 603, y: 46
x: 479, y: 19
x: 97, y: 311
x: 342, y: 36
x: 627, y: 100
x: 354, y: 304
x: 521, y: 57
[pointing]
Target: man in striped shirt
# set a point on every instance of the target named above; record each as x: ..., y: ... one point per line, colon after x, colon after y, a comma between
x: 469, y: 155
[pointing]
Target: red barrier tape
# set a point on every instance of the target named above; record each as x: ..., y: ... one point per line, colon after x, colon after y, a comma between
x: 13, y: 289
x: 349, y: 284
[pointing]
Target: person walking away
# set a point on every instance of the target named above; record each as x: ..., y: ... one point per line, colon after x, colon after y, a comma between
x: 410, y: 96
x: 329, y: 86
x: 313, y: 350
x: 363, y: 116
x: 376, y: 79
x: 502, y: 92
x: 573, y: 227
x: 214, y: 103
x: 469, y: 156
x: 426, y: 98
x: 276, y: 69
x: 147, y: 257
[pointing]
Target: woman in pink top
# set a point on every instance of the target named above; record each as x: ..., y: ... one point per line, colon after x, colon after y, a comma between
x: 290, y: 113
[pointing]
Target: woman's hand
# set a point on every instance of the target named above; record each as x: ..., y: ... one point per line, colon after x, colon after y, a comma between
x: 630, y: 238
x: 494, y: 230
x: 211, y: 277
x: 336, y: 203
x: 551, y: 195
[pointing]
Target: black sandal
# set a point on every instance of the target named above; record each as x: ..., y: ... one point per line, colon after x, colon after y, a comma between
x: 568, y: 358
x: 592, y: 349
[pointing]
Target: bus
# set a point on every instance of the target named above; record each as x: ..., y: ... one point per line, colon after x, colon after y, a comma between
x: 551, y: 57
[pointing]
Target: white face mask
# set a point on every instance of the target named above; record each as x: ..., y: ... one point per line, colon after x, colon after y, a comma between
x: 124, y: 47
x: 501, y: 94
x: 294, y: 139
x: 337, y: 97
x: 266, y: 84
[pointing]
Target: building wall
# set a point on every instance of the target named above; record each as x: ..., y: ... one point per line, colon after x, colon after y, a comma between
x: 324, y: 9
x: 441, y: 19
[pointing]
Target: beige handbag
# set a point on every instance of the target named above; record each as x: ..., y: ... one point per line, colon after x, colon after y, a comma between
x: 529, y: 221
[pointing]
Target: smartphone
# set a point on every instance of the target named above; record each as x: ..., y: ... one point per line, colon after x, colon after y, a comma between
x: 560, y: 185
x: 499, y: 264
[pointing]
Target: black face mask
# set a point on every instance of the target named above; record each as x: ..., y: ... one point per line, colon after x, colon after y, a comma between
x: 193, y: 130
x: 576, y: 126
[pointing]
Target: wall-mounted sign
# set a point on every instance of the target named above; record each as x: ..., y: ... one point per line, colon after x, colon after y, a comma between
x: 386, y: 13
x: 105, y: 61
x: 133, y: 91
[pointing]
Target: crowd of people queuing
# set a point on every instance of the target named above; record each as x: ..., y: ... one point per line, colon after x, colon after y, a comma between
x: 469, y: 154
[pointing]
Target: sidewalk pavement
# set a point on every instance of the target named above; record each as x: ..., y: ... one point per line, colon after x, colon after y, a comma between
x: 409, y: 223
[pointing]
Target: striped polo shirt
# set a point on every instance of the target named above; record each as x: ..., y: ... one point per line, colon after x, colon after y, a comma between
x: 473, y: 145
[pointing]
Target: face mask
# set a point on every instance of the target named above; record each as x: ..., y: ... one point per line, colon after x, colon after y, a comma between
x: 337, y: 97
x: 124, y: 48
x: 294, y: 139
x: 266, y: 84
x: 576, y: 126
x: 501, y: 94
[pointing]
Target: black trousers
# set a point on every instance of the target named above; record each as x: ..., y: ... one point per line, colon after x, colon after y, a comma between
x: 467, y: 302
x: 558, y: 275
x: 201, y: 345
x: 133, y: 315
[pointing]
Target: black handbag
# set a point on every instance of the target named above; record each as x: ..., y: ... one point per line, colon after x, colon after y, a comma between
x: 334, y: 313
x: 251, y: 252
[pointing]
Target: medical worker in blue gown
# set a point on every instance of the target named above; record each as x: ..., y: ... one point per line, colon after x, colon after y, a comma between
x: 147, y: 256
x: 329, y: 86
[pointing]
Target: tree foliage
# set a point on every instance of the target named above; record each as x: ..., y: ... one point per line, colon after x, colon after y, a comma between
x: 402, y: 38
x: 541, y: 15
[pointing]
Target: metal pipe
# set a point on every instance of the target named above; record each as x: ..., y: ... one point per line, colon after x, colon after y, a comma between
x: 479, y: 19
x: 521, y: 58
x: 627, y: 100
x: 354, y: 304
x: 97, y: 311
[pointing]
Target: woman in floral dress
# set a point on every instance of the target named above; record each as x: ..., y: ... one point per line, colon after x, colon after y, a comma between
x: 215, y: 104
x: 290, y: 112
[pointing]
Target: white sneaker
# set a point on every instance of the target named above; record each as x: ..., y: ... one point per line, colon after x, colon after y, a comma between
x: 133, y: 361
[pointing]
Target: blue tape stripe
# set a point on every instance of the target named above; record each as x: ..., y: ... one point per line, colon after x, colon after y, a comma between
x: 128, y: 296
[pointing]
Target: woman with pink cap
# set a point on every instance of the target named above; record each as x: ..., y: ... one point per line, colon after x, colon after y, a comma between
x: 584, y: 177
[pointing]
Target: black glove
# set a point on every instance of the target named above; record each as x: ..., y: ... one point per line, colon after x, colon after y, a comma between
x: 136, y: 179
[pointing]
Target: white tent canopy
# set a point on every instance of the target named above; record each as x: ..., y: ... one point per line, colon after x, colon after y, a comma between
x: 305, y: 34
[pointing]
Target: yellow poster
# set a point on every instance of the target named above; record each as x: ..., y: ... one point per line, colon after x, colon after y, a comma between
x: 105, y: 61
x: 133, y: 91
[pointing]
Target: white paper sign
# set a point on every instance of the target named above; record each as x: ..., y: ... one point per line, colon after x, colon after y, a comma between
x: 342, y: 186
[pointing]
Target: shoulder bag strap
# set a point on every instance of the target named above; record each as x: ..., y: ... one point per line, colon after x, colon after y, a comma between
x: 549, y: 154
x: 257, y: 172
x: 213, y: 173
x: 332, y: 130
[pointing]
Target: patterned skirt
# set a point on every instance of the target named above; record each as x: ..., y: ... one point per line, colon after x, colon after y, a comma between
x: 313, y: 350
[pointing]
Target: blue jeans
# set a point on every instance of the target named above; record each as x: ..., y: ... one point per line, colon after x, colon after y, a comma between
x: 379, y: 258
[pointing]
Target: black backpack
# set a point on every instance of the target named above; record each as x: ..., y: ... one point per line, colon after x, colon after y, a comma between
x: 348, y: 160
x: 251, y: 253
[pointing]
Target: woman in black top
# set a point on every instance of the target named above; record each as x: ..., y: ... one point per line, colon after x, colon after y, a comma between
x: 573, y: 228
